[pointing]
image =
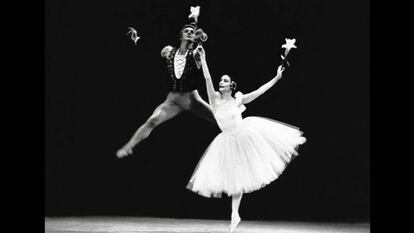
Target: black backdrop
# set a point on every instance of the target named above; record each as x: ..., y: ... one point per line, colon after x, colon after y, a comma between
x: 99, y: 87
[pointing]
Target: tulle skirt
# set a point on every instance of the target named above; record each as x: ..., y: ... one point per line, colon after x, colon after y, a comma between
x: 247, y: 158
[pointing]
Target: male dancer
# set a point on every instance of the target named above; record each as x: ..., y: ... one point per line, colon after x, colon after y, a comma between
x: 185, y: 72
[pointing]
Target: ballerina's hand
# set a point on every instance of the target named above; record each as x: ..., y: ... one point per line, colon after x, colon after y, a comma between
x: 280, y: 69
x: 201, y: 52
x: 124, y: 151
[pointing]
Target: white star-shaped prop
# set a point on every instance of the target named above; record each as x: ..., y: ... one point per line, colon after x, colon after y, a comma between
x: 290, y: 43
x: 134, y: 36
x: 195, y: 12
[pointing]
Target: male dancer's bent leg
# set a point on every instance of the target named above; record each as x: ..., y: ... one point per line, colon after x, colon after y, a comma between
x: 162, y: 113
x: 201, y: 108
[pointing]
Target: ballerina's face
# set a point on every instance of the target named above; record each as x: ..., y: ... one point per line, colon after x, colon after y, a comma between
x: 224, y: 85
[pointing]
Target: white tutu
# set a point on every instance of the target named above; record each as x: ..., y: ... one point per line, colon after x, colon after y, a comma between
x: 245, y: 158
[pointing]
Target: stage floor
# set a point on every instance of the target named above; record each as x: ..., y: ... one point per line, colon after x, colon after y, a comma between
x: 168, y: 225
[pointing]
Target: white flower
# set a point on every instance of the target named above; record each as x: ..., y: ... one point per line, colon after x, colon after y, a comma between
x: 195, y: 12
x: 134, y: 36
x: 290, y: 43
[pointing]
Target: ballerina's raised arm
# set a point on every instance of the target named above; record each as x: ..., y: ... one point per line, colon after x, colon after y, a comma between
x: 249, y: 97
x: 211, y: 92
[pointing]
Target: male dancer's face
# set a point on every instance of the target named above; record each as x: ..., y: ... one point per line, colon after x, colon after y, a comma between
x: 187, y: 34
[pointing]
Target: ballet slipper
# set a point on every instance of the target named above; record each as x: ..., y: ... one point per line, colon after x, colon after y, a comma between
x: 124, y: 151
x: 235, y: 220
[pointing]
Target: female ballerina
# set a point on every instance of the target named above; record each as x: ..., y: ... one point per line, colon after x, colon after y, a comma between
x: 249, y: 153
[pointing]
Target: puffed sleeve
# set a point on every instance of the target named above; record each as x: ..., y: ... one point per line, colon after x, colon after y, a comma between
x: 239, y: 101
x: 165, y: 52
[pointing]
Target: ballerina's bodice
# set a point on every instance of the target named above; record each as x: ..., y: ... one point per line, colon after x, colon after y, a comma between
x: 228, y: 115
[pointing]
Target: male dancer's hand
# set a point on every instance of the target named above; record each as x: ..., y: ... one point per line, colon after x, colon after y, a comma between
x: 124, y: 151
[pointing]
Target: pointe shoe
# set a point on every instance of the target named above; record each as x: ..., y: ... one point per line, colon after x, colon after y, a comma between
x: 234, y: 222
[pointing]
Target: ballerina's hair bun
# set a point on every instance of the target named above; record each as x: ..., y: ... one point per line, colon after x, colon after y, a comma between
x: 233, y: 85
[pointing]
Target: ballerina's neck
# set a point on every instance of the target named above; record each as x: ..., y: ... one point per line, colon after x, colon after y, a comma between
x: 226, y: 101
x: 226, y: 96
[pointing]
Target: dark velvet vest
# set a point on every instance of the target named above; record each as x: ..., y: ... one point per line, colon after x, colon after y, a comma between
x: 191, y: 77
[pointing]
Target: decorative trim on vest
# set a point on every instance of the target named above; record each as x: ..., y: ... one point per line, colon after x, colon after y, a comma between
x: 190, y: 76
